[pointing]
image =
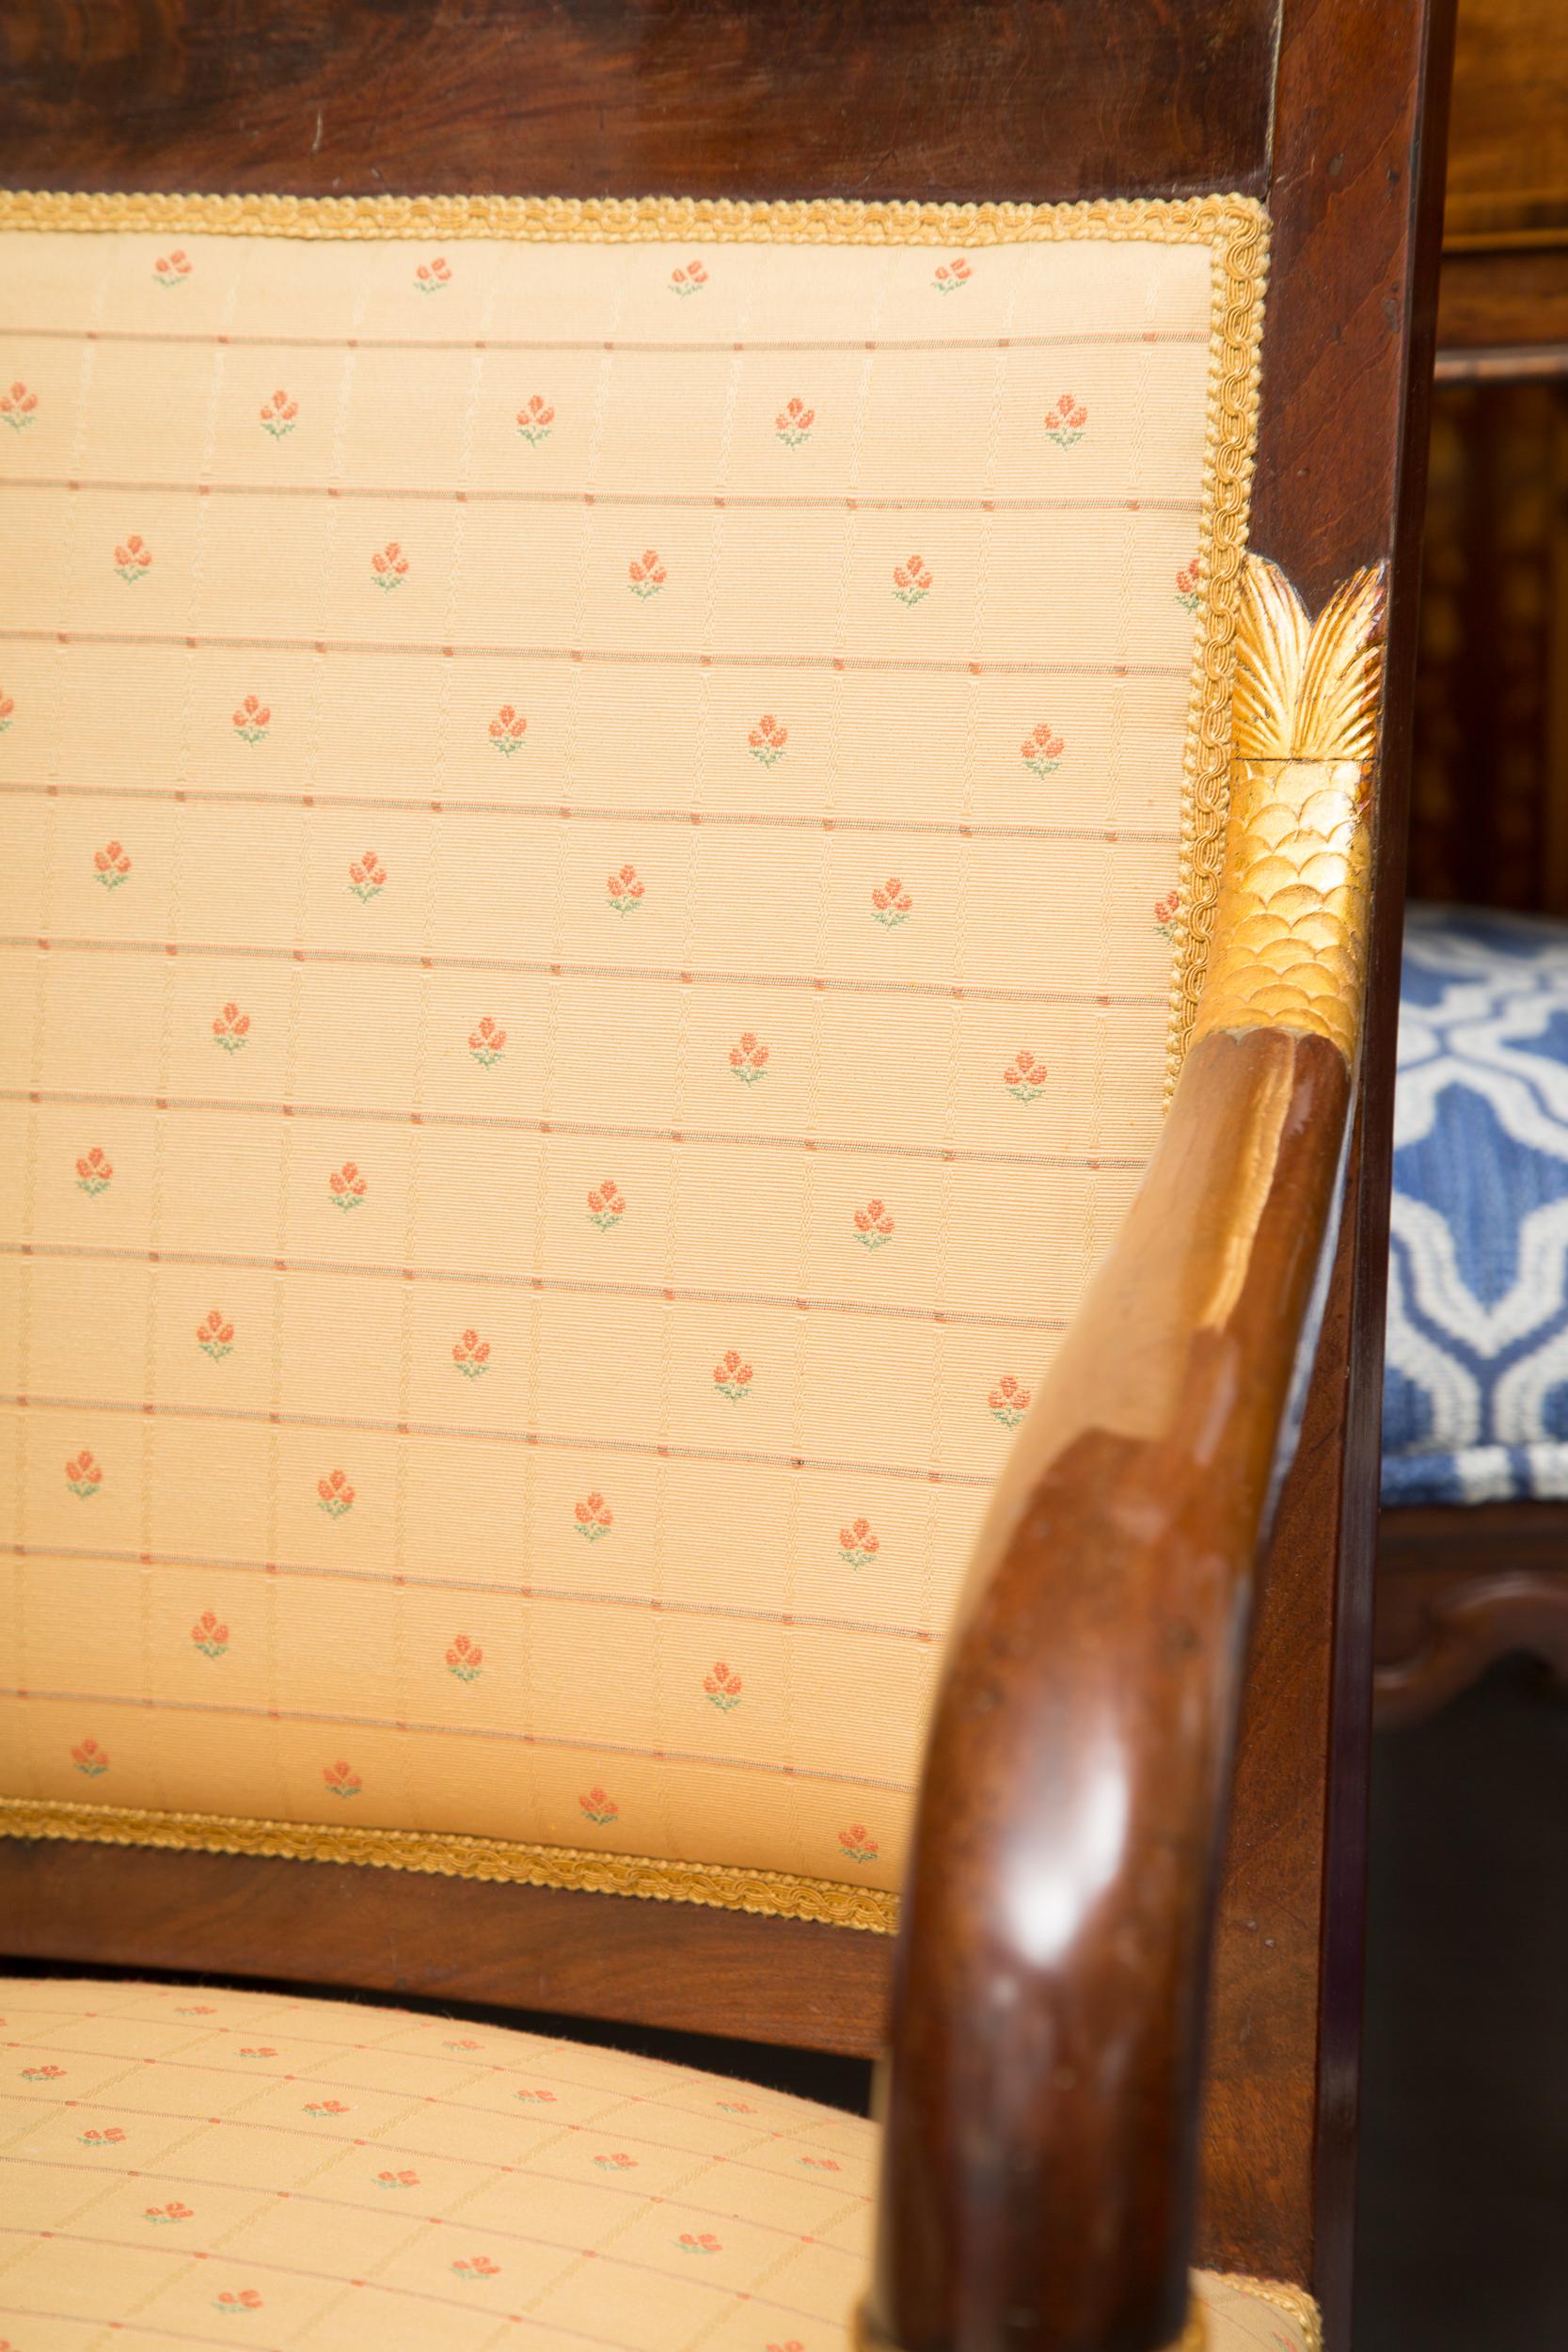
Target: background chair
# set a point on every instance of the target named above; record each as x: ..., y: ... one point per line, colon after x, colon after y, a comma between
x: 754, y: 106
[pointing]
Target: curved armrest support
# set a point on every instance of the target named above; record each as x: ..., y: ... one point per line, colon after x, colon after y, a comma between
x: 1043, y: 2074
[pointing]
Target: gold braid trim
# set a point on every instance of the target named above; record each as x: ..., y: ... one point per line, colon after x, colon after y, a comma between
x: 1293, y: 2301
x: 1235, y: 228
x: 771, y: 1894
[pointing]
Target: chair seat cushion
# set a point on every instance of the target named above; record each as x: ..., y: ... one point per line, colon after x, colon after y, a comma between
x: 196, y: 2167
x: 1476, y: 1395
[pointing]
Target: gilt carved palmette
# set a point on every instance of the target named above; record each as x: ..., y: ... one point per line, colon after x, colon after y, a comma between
x: 1289, y: 947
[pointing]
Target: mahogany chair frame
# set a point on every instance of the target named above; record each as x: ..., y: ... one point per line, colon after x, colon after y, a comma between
x: 1332, y: 112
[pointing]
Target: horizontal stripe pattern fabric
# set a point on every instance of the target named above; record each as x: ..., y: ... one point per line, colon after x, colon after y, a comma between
x: 592, y: 848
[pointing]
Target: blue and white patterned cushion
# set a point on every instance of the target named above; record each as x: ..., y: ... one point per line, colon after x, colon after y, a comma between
x: 1476, y: 1392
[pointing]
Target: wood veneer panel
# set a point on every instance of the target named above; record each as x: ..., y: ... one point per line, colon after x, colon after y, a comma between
x: 576, y: 1955
x: 931, y: 98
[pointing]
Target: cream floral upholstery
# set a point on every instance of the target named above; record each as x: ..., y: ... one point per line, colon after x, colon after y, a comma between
x: 193, y: 2167
x: 609, y: 818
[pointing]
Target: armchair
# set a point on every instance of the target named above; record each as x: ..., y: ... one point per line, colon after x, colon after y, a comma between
x: 558, y: 739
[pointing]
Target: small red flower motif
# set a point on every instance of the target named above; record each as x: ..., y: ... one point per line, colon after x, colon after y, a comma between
x: 195, y: 2009
x: 767, y: 740
x: 1187, y: 586
x: 465, y: 1659
x: 327, y: 2107
x: 625, y: 890
x: 258, y: 2050
x: 459, y: 2041
x: 471, y: 1355
x: 593, y: 1516
x: 278, y: 414
x: 1009, y: 1401
x: 542, y: 2098
x: 873, y: 1225
x: 699, y: 2242
x: 794, y: 422
x: 1025, y: 1077
x: 389, y: 565
x: 890, y: 902
x: 792, y: 2344
x: 42, y: 2073
x: 912, y: 581
x: 507, y: 730
x: 748, y: 1059
x: 94, y: 1173
x: 133, y: 560
x: 534, y: 418
x: 397, y: 2180
x: 1065, y: 421
x: 857, y: 1545
x: 476, y: 2266
x: 346, y: 1185
x: 823, y: 2164
x: 858, y: 1842
x: 487, y: 1043
x: 731, y: 1376
x: 723, y: 1688
x: 1043, y: 751
x: 83, y: 1477
x: 367, y: 876
x: 607, y: 1205
x: 231, y: 1028
x: 951, y: 275
x: 170, y: 268
x: 690, y: 280
x: 174, y: 2211
x: 619, y: 2162
x: 599, y: 1808
x: 111, y: 865
x: 239, y: 2300
x: 19, y: 406
x: 214, y: 1337
x: 1165, y: 913
x: 252, y: 720
x: 735, y: 2106
x: 343, y: 1782
x: 646, y: 574
x: 334, y: 1495
x: 211, y: 1638
x: 109, y: 2138
x: 432, y: 276
x: 8, y: 711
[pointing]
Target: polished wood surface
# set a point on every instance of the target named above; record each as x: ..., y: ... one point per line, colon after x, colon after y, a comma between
x: 1508, y: 137
x: 1039, y: 2163
x: 1505, y: 264
x: 934, y: 99
x: 572, y: 1955
x: 937, y: 99
x: 1459, y: 1589
x: 1357, y: 205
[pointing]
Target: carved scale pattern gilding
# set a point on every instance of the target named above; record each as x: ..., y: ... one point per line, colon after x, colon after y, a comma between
x: 1289, y: 939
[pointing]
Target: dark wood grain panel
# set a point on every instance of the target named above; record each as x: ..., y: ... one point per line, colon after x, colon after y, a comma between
x: 1357, y: 201
x: 1508, y: 145
x: 573, y: 1955
x: 935, y: 98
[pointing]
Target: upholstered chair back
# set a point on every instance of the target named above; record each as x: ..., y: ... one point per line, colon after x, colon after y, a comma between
x: 611, y: 816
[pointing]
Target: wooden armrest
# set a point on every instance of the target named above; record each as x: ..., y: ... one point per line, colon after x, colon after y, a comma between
x: 1042, y: 2079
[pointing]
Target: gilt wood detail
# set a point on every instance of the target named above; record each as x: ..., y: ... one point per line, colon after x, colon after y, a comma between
x: 1050, y: 1985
